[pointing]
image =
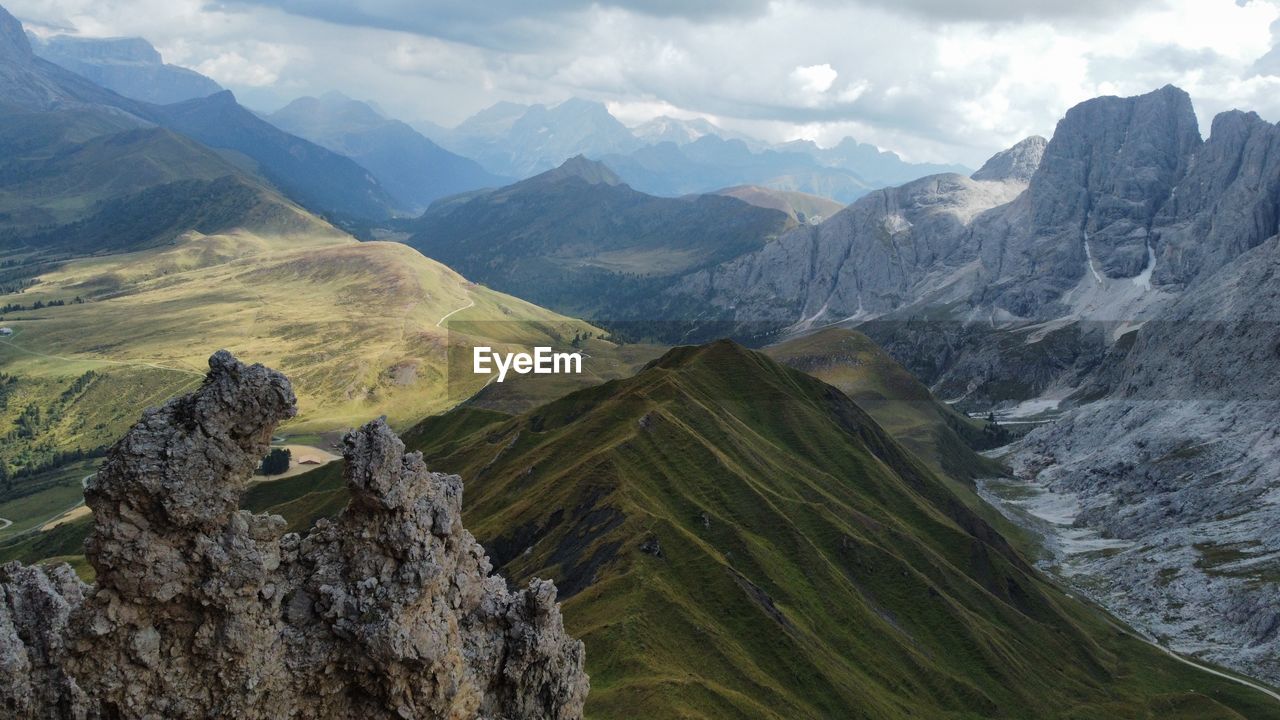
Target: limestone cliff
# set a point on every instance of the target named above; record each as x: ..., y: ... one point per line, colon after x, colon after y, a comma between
x: 204, y: 610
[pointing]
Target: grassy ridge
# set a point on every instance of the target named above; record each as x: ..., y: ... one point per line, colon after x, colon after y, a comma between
x: 734, y: 539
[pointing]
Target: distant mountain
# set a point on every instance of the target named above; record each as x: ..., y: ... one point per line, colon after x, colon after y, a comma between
x: 803, y: 208
x: 711, y: 162
x: 878, y: 167
x: 413, y: 170
x: 578, y: 240
x: 674, y: 130
x: 520, y: 141
x: 128, y: 66
x: 318, y: 179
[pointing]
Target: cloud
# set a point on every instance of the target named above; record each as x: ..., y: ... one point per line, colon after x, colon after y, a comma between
x: 931, y: 79
x: 814, y: 79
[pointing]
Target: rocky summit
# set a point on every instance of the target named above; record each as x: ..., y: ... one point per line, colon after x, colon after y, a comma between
x: 203, y: 610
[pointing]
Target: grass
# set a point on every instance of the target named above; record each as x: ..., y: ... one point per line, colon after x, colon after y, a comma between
x: 809, y: 566
x: 59, y: 491
x: 356, y: 326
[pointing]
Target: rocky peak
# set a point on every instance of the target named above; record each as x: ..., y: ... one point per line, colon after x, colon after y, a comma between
x: 578, y: 166
x: 1227, y: 203
x: 204, y: 610
x: 1110, y: 166
x: 1015, y: 164
x: 14, y: 46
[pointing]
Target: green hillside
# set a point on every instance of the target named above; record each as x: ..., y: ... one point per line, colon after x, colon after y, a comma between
x: 901, y: 405
x: 735, y: 539
x: 799, y: 206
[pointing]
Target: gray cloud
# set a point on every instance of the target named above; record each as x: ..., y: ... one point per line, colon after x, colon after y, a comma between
x: 932, y: 80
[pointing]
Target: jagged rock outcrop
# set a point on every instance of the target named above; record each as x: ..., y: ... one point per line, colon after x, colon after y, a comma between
x: 204, y: 610
x: 1092, y: 196
x: 1018, y: 163
x: 1228, y: 203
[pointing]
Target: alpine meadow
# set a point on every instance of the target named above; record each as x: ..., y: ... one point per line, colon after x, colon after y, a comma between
x: 615, y: 359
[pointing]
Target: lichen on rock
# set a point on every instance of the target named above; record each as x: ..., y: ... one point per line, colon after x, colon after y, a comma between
x: 201, y: 609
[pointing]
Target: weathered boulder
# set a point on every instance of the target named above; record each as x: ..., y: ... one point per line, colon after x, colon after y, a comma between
x: 204, y: 610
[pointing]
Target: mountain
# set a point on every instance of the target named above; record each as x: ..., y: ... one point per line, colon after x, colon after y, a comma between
x: 128, y: 66
x: 578, y: 240
x: 803, y: 208
x: 732, y: 538
x: 682, y: 132
x: 318, y: 179
x: 1016, y: 164
x: 1013, y: 249
x: 520, y: 141
x: 712, y: 162
x: 321, y: 180
x: 1124, y: 289
x: 412, y: 169
x: 74, y: 183
x: 932, y: 430
x: 878, y: 167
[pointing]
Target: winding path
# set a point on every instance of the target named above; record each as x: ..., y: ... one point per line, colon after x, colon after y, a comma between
x: 471, y: 304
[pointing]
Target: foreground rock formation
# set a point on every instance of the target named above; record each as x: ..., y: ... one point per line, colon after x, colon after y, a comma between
x: 204, y: 610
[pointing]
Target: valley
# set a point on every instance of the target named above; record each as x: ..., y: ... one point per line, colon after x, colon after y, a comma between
x: 856, y: 431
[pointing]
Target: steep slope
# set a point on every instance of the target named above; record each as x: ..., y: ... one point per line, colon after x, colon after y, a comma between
x: 72, y: 184
x: 129, y: 66
x: 412, y: 169
x: 1086, y: 218
x: 316, y: 178
x: 902, y: 406
x: 577, y: 240
x: 732, y: 538
x: 803, y: 208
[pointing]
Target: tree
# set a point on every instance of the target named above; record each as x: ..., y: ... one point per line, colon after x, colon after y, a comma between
x: 276, y: 462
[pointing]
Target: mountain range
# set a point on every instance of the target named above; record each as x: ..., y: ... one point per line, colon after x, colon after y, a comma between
x: 320, y: 180
x: 1126, y: 275
x: 668, y: 156
x: 997, y: 418
x: 412, y: 169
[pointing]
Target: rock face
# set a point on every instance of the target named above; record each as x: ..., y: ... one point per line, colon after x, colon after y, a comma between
x: 1011, y: 241
x: 204, y: 610
x: 1179, y: 464
x: 129, y: 66
x: 1018, y: 163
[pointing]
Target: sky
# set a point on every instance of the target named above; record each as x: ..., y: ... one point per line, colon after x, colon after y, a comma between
x: 934, y: 80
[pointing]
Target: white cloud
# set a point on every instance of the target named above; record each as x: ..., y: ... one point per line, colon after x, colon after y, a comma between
x: 814, y: 79
x: 933, y: 80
